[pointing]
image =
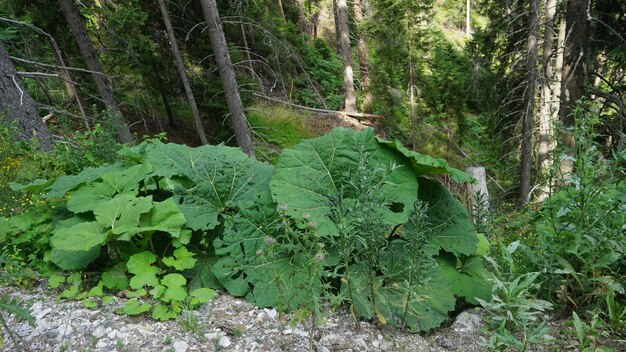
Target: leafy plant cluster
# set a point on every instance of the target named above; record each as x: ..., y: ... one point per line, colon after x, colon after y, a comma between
x: 341, y: 218
x: 573, y: 247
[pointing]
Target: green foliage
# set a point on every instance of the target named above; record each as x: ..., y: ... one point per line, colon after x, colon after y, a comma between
x: 580, y: 229
x: 357, y: 221
x: 347, y: 218
x: 514, y: 314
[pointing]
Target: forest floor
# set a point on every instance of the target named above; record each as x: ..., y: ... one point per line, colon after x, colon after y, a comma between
x: 227, y: 323
x: 223, y: 324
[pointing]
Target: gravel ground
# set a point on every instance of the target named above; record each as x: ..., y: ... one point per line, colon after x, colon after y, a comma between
x: 224, y: 324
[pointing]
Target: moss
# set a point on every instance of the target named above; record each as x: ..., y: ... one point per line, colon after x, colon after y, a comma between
x: 276, y: 128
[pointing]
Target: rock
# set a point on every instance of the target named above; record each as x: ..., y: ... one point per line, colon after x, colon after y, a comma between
x: 52, y: 334
x: 98, y: 332
x: 65, y: 330
x: 224, y: 341
x: 211, y: 336
x: 180, y: 346
x: 466, y: 322
x: 271, y: 313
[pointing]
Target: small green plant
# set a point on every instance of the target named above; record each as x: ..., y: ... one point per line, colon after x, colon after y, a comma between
x: 514, y: 314
x: 588, y: 334
x: 615, y: 315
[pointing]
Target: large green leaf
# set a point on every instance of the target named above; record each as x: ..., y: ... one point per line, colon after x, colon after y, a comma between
x: 221, y: 176
x: 315, y: 171
x: 251, y: 264
x: 466, y: 277
x: 64, y: 184
x: 121, y: 214
x: 420, y: 303
x: 74, y: 260
x: 164, y: 216
x: 243, y: 242
x: 76, y: 246
x: 452, y: 229
x: 80, y: 237
x: 428, y: 165
x: 90, y: 195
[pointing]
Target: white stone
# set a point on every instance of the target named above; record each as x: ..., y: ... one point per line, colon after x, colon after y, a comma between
x: 302, y: 333
x: 211, y: 336
x: 101, y: 345
x: 113, y: 334
x: 180, y: 346
x: 225, y: 341
x: 65, y: 329
x: 466, y: 322
x: 98, y: 333
x: 361, y: 343
x: 271, y: 313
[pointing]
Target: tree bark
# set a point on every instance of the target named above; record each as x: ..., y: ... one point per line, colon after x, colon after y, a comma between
x: 574, y: 58
x: 362, y: 51
x: 574, y: 70
x: 182, y: 73
x: 282, y: 11
x: 227, y: 76
x: 91, y: 59
x: 304, y: 26
x: 163, y: 93
x: 16, y: 104
x: 315, y: 17
x: 527, y: 125
x: 468, y: 30
x: 346, y: 54
x: 545, y: 138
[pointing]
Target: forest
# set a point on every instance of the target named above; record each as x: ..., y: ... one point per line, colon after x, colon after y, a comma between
x: 400, y: 161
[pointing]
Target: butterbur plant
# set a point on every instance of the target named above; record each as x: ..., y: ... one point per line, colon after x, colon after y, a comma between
x: 343, y: 218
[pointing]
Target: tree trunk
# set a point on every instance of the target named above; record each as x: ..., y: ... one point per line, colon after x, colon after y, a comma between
x: 91, y: 59
x: 468, y: 30
x: 68, y: 81
x: 16, y: 104
x: 182, y: 73
x: 574, y: 58
x: 346, y: 54
x: 227, y: 76
x: 362, y: 51
x: 478, y: 194
x: 282, y: 11
x: 163, y: 93
x: 527, y: 125
x: 304, y: 26
x: 545, y: 138
x: 336, y: 20
x: 574, y: 70
x: 315, y: 17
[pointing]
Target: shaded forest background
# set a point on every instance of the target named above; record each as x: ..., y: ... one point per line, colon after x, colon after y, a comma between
x: 474, y: 82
